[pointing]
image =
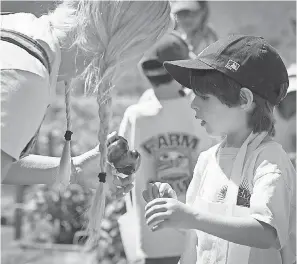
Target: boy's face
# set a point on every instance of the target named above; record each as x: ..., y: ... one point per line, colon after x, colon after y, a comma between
x: 217, y: 118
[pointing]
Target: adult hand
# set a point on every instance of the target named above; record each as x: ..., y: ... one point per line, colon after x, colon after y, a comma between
x: 169, y: 213
x: 87, y: 168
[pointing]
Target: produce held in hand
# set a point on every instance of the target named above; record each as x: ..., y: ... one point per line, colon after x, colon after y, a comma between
x: 118, y: 154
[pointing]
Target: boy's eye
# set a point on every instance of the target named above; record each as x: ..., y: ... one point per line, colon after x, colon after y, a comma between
x: 203, y: 97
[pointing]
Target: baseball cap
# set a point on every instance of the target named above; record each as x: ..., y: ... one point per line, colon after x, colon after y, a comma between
x: 249, y: 60
x: 177, y: 6
x: 170, y: 47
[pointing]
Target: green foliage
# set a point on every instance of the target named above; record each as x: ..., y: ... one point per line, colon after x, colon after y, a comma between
x: 55, y: 216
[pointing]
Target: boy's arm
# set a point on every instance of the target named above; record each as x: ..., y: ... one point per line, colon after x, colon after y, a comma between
x: 244, y: 231
x: 270, y: 206
x: 270, y: 209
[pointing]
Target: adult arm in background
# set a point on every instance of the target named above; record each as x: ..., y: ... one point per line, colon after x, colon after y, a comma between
x: 24, y: 100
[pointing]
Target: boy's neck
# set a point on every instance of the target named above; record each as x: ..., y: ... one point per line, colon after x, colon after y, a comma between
x: 237, y: 138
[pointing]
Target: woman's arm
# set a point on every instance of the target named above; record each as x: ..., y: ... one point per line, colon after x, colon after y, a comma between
x: 32, y: 169
x: 6, y: 162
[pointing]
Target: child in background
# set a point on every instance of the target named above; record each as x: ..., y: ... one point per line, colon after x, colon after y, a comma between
x: 169, y: 140
x: 241, y: 204
x: 192, y: 22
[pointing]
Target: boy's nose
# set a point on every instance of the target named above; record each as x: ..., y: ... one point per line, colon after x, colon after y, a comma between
x: 194, y: 106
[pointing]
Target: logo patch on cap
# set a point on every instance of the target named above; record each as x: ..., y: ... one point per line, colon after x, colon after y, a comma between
x: 232, y: 65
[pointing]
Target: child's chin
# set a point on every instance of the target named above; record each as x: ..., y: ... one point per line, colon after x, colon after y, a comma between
x: 215, y: 135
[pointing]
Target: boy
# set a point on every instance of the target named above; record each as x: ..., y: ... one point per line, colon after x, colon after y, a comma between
x: 241, y: 202
x: 169, y: 141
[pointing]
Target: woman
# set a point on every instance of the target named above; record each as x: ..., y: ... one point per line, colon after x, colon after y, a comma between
x: 79, y: 37
x: 89, y: 38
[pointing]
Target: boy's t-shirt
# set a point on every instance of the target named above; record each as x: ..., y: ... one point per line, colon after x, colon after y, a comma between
x: 27, y: 89
x: 169, y: 139
x: 267, y: 188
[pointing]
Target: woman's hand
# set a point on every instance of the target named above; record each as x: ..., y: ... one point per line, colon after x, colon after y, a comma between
x: 87, y: 168
x: 169, y: 213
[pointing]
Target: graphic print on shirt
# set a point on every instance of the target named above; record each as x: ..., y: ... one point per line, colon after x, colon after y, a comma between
x: 173, y: 158
x: 243, y: 196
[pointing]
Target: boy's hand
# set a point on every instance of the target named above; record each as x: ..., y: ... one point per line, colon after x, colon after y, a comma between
x: 158, y: 190
x: 169, y: 213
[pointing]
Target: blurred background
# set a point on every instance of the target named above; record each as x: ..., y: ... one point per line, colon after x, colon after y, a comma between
x: 40, y: 215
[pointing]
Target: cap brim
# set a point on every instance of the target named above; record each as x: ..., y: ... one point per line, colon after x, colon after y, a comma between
x: 181, y: 70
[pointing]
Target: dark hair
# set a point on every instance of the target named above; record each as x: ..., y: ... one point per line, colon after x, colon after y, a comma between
x: 159, y: 80
x: 172, y: 48
x: 227, y: 91
x: 156, y: 80
x: 287, y: 107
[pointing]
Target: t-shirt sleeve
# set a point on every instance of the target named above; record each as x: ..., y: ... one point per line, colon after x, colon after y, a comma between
x: 24, y: 100
x: 273, y: 193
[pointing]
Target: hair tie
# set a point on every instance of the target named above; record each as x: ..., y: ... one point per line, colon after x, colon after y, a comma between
x: 102, y: 177
x: 67, y: 135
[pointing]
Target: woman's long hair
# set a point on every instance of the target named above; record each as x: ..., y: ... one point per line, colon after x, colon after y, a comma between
x: 113, y: 32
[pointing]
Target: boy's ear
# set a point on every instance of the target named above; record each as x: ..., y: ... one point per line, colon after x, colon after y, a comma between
x: 246, y: 98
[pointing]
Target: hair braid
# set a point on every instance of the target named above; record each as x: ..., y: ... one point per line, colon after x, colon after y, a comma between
x: 109, y: 34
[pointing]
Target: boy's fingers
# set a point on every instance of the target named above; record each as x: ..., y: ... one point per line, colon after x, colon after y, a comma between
x: 158, y: 201
x: 156, y: 219
x: 159, y: 226
x: 154, y: 210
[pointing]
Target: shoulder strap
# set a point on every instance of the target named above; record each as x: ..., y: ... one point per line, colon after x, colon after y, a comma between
x: 28, y: 44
